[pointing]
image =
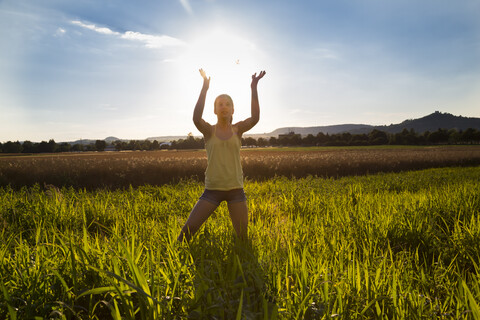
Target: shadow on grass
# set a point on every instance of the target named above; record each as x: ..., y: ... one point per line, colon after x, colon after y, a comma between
x: 229, y: 281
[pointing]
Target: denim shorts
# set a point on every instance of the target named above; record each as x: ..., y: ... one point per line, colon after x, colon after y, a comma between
x: 217, y: 196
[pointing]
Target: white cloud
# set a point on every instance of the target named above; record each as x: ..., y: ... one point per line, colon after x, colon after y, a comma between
x: 186, y: 5
x: 150, y: 41
x: 93, y: 27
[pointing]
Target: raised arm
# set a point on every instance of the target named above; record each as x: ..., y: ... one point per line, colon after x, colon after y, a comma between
x: 249, y: 123
x: 202, y: 125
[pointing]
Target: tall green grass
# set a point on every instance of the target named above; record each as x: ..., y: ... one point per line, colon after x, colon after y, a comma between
x: 396, y: 246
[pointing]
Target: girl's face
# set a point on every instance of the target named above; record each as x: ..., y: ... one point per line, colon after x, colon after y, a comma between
x: 223, y: 107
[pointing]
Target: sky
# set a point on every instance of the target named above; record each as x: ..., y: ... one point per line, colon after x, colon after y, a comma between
x: 91, y: 69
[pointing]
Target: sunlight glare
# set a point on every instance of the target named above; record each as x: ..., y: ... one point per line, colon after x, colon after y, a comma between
x: 229, y: 59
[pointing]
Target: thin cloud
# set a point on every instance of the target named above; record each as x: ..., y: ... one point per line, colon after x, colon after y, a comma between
x: 324, y: 53
x: 150, y: 41
x: 60, y: 32
x: 108, y: 107
x: 93, y: 27
x: 186, y: 5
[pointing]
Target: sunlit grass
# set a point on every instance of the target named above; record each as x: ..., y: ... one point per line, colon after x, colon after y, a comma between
x: 397, y: 246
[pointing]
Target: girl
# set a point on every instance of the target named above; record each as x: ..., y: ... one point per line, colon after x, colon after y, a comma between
x: 224, y: 176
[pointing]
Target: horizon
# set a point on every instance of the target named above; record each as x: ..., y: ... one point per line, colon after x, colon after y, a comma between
x: 163, y: 137
x: 95, y: 69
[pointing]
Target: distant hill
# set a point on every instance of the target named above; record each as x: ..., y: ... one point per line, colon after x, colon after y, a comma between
x: 108, y: 140
x: 430, y: 123
x: 325, y: 129
x: 433, y: 122
x: 166, y: 138
x: 111, y: 139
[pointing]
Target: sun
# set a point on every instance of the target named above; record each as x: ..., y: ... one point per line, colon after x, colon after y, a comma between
x: 228, y: 57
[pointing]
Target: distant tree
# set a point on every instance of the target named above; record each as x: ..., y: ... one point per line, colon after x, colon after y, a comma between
x: 29, y: 147
x: 283, y: 140
x: 262, y: 142
x: 12, y: 147
x: 146, y: 145
x: 337, y: 140
x: 90, y: 147
x: 189, y: 143
x: 155, y: 145
x: 64, y: 147
x: 296, y: 140
x: 406, y: 137
x: 439, y: 136
x: 249, y: 141
x: 45, y: 146
x: 322, y: 139
x: 52, y: 146
x: 273, y: 141
x: 100, y: 145
x: 424, y: 137
x: 132, y: 145
x: 377, y: 137
x: 476, y: 136
x: 290, y: 139
x: 359, y: 140
x: 309, y: 140
x: 200, y: 143
x: 470, y: 136
x: 120, y: 145
x: 346, y: 137
x: 454, y: 136
x: 77, y: 147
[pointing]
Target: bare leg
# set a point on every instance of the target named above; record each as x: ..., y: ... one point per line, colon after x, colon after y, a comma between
x: 200, y: 213
x: 239, y: 215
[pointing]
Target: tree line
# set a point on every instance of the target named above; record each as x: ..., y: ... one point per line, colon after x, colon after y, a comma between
x: 375, y: 137
x: 378, y: 137
x: 50, y: 147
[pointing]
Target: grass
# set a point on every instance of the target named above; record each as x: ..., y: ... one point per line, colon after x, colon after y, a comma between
x: 391, y: 245
x: 371, y: 148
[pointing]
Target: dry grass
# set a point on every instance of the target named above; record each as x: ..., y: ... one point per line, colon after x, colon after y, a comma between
x: 124, y: 169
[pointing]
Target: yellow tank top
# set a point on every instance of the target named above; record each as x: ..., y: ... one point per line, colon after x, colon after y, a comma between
x: 224, y: 168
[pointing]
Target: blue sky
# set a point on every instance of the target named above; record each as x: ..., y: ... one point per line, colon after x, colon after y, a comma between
x: 92, y: 69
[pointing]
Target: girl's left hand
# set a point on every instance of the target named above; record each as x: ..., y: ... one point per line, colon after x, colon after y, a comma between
x: 256, y: 78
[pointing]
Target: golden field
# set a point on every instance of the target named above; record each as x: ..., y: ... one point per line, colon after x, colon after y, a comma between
x: 123, y: 169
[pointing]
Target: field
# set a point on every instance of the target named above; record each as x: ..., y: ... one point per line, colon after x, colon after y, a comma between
x: 124, y: 169
x: 363, y: 233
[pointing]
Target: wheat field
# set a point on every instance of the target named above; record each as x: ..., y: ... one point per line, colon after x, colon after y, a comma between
x: 123, y: 169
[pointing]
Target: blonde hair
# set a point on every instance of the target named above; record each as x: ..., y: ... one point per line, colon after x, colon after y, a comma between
x: 224, y: 96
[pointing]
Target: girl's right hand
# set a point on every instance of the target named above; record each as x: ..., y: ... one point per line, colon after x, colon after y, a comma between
x: 206, y: 81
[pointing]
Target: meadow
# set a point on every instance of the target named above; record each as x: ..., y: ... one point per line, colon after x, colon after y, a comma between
x: 373, y: 234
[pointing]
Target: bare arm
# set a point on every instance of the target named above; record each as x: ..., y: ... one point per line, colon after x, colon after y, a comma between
x: 249, y: 123
x: 202, y: 125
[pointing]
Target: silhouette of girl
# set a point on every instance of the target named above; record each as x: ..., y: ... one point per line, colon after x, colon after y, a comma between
x: 224, y: 175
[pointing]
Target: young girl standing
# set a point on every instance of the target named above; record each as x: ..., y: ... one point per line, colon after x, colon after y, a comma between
x: 224, y: 175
